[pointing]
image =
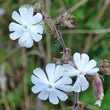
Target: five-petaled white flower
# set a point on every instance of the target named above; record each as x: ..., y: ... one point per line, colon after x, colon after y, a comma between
x: 52, y: 85
x: 27, y: 28
x: 83, y: 67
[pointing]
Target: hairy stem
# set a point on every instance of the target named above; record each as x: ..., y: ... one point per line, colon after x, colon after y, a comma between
x: 62, y: 43
x: 54, y: 29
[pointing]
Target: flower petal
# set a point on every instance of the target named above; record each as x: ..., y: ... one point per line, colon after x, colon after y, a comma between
x: 15, y: 35
x: 37, y: 29
x: 30, y: 12
x: 61, y: 95
x: 70, y: 70
x: 65, y: 88
x: 36, y: 37
x: 29, y: 41
x: 37, y: 88
x: 16, y: 17
x: 36, y: 80
x: 77, y: 85
x: 43, y: 95
x: 40, y: 74
x: 58, y: 73
x: 14, y: 27
x: 23, y: 13
x: 98, y: 102
x: 81, y: 84
x: 63, y: 80
x: 50, y: 69
x: 53, y: 97
x: 77, y: 60
x: 91, y: 64
x: 93, y: 71
x: 84, y: 60
x: 84, y: 83
x: 22, y: 40
x: 25, y: 40
x: 37, y: 18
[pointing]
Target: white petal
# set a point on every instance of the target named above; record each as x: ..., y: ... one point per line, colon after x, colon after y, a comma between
x: 22, y: 39
x: 37, y: 88
x: 15, y: 35
x: 23, y: 13
x: 81, y: 84
x: 36, y: 37
x: 84, y: 83
x: 40, y: 73
x: 84, y: 60
x: 70, y: 70
x: 53, y: 98
x: 64, y: 80
x: 43, y: 95
x: 37, y: 29
x: 98, y: 102
x: 30, y: 12
x: 93, y: 71
x: 14, y: 27
x: 37, y: 18
x: 90, y: 65
x: 61, y: 95
x: 65, y: 88
x: 29, y: 41
x: 77, y: 60
x: 36, y: 80
x: 50, y: 69
x: 16, y: 17
x: 25, y: 40
x: 101, y: 96
x: 77, y: 85
x: 58, y: 73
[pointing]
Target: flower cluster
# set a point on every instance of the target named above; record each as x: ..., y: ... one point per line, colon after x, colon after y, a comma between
x: 59, y: 78
x: 27, y: 28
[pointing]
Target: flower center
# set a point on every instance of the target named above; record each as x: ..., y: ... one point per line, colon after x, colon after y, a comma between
x: 80, y: 73
x: 49, y: 86
x: 25, y: 26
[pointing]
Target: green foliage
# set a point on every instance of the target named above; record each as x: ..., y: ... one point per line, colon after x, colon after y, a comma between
x: 36, y: 5
x: 15, y: 97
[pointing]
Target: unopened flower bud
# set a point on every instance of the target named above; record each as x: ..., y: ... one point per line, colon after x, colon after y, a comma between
x: 71, y: 26
x: 98, y: 88
x: 66, y: 19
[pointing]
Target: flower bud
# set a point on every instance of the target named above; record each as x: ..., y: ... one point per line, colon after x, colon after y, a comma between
x: 98, y: 88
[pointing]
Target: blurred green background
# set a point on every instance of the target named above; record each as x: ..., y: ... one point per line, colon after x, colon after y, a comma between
x: 91, y: 35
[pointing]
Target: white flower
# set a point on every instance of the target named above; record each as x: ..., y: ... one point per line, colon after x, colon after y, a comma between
x: 27, y: 28
x: 83, y: 67
x: 51, y: 85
